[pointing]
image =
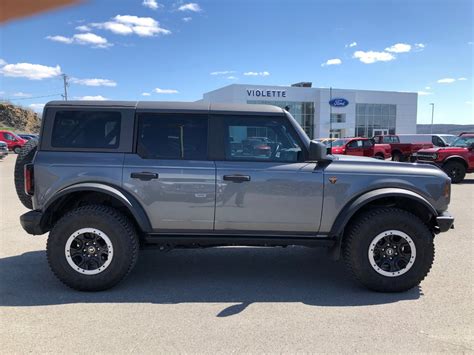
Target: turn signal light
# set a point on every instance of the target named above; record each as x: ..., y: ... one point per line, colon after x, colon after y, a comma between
x: 29, y: 179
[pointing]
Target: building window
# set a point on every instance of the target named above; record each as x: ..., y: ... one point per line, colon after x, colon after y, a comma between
x: 338, y: 117
x: 303, y: 112
x: 375, y: 117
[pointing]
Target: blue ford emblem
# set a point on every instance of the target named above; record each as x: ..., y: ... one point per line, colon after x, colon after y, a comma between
x: 338, y: 102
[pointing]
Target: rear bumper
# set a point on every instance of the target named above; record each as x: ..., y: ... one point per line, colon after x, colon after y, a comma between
x: 31, y: 222
x: 445, y: 221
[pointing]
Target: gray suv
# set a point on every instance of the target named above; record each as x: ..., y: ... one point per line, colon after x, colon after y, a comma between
x: 107, y: 178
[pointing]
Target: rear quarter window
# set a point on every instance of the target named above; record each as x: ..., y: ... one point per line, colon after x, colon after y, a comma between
x: 86, y: 129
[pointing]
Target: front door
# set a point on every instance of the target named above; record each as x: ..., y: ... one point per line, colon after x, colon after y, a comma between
x: 355, y: 147
x: 263, y: 186
x: 170, y: 174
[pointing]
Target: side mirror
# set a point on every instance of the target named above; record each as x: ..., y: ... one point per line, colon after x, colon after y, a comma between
x: 317, y: 151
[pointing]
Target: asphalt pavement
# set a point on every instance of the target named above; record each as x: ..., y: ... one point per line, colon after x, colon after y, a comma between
x: 234, y: 300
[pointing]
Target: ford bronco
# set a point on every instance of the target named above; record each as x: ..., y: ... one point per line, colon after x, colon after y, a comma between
x: 107, y: 178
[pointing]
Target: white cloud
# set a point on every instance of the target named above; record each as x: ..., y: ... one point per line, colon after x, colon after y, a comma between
x: 424, y: 93
x: 91, y: 39
x: 91, y: 98
x: 2, y: 62
x: 129, y: 24
x: 37, y: 107
x: 94, y: 82
x: 419, y: 47
x: 192, y: 6
x: 231, y: 77
x: 254, y: 73
x: 223, y: 72
x: 446, y: 81
x: 399, y: 48
x: 372, y: 56
x: 335, y: 61
x: 146, y: 94
x: 60, y: 39
x: 350, y: 45
x: 427, y: 87
x: 21, y: 94
x: 187, y: 19
x: 151, y: 4
x: 468, y: 102
x: 30, y: 71
x: 84, y: 39
x: 462, y: 79
x: 83, y: 28
x: 165, y: 91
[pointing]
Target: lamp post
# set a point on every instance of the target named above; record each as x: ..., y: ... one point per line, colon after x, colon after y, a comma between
x: 432, y: 117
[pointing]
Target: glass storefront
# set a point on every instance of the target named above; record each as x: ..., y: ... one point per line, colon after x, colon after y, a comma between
x: 376, y: 118
x: 303, y: 112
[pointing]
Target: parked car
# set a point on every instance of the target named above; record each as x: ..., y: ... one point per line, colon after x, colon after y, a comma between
x: 401, y: 151
x: 456, y: 160
x: 438, y: 140
x: 107, y: 177
x: 28, y: 136
x: 364, y: 147
x: 14, y: 142
x: 3, y: 149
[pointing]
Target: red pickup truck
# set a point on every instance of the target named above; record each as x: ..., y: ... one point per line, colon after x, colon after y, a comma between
x: 456, y: 160
x: 360, y: 146
x: 401, y: 151
x: 13, y: 141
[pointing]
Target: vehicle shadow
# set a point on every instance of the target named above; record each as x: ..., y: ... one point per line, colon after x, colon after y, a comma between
x: 467, y: 182
x: 219, y: 275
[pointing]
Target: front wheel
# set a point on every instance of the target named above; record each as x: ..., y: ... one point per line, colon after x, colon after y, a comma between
x: 455, y: 170
x: 17, y: 150
x: 92, y: 248
x: 388, y: 250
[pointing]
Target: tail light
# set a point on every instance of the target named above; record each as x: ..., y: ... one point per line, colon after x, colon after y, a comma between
x: 29, y: 179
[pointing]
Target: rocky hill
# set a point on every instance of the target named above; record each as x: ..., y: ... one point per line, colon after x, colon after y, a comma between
x: 19, y: 119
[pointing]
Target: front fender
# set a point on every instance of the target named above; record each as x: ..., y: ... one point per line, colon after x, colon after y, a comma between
x: 124, y: 197
x: 356, y: 204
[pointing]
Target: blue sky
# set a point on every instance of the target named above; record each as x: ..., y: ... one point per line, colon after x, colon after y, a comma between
x: 177, y: 50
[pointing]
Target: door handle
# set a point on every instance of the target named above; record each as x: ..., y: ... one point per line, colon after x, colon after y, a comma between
x: 145, y: 176
x: 237, y: 178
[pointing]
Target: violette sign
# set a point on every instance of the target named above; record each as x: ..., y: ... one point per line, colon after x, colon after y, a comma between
x: 266, y: 93
x: 338, y: 102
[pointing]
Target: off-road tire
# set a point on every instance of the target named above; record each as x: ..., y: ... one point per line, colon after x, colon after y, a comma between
x: 119, y: 229
x: 25, y: 156
x: 362, y: 232
x: 455, y: 170
x: 397, y: 156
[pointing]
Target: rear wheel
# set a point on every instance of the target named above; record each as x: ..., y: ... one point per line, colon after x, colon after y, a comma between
x: 25, y: 156
x: 379, y: 156
x: 397, y: 156
x: 388, y: 250
x: 92, y: 248
x: 455, y: 170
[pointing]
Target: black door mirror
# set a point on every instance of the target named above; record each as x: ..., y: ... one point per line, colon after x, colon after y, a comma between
x: 317, y: 151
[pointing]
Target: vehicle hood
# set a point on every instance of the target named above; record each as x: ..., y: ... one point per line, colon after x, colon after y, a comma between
x: 368, y: 165
x: 441, y: 149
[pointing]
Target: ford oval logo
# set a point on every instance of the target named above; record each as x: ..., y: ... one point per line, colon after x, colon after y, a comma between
x: 338, y: 102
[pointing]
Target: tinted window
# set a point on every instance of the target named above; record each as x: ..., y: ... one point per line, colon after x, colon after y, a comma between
x: 86, y: 129
x: 261, y: 139
x: 367, y: 143
x: 172, y: 136
x: 355, y: 144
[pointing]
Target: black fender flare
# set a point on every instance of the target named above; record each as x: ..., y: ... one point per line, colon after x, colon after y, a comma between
x: 457, y: 158
x: 124, y: 197
x: 356, y: 204
x: 359, y: 202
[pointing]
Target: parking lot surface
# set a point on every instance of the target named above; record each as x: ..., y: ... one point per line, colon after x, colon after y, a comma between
x: 226, y: 300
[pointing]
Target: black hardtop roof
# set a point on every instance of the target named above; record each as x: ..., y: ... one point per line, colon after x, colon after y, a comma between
x: 169, y: 106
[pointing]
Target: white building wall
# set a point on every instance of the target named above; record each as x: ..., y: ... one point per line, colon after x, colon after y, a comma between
x: 406, y: 104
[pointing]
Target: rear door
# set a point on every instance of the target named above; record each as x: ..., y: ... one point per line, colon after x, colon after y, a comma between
x: 261, y: 191
x: 169, y: 172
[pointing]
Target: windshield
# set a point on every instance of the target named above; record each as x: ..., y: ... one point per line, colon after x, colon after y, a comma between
x: 338, y: 143
x: 449, y: 139
x: 463, y: 142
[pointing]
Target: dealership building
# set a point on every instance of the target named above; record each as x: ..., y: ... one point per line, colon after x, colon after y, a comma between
x: 324, y: 112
